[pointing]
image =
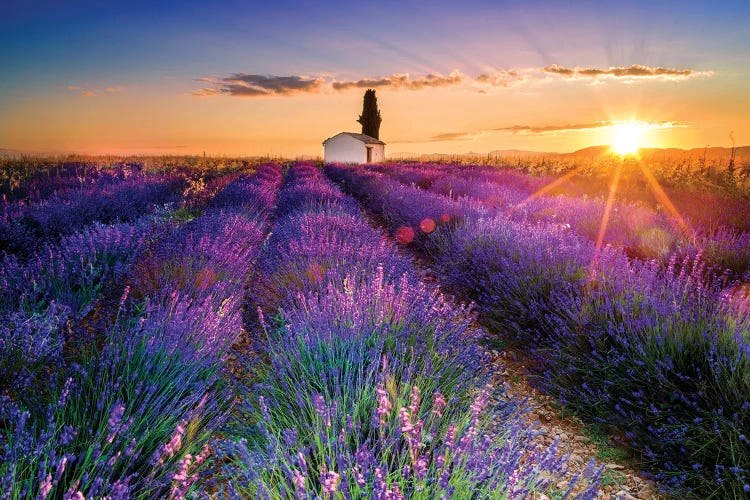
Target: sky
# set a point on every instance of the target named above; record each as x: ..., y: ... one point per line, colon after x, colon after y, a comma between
x: 277, y: 78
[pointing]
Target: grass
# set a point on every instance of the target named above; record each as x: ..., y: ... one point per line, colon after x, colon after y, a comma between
x: 605, y: 450
x: 493, y: 343
x: 612, y: 477
x: 597, y: 435
x: 185, y: 214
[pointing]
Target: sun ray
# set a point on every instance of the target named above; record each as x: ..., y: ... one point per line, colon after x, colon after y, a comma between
x: 663, y: 198
x: 545, y: 189
x: 605, y: 218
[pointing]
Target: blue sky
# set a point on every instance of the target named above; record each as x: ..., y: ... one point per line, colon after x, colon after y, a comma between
x: 161, y: 48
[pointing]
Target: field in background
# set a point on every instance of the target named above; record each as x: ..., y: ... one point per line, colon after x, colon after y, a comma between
x: 691, y: 180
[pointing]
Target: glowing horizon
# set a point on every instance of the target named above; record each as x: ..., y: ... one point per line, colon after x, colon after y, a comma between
x: 245, y: 80
x: 626, y: 138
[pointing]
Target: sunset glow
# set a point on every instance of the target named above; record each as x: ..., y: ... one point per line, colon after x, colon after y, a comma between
x: 270, y: 79
x: 627, y: 138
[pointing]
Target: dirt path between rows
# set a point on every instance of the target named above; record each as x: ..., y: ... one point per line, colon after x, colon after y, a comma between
x: 621, y: 479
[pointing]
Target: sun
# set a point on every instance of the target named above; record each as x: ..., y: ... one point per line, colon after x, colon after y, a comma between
x: 626, y: 138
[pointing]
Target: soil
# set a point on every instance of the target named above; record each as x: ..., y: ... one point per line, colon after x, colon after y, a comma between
x: 621, y: 479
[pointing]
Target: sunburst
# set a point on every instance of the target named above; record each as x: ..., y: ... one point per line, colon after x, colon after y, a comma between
x: 626, y: 138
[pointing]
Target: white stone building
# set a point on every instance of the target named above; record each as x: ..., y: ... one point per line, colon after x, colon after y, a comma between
x: 348, y: 147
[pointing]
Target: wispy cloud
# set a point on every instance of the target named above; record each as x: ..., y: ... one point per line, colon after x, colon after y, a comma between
x: 452, y: 136
x: 577, y: 127
x: 636, y: 71
x: 502, y: 78
x: 545, y: 129
x: 86, y: 91
x: 255, y: 85
x: 549, y: 129
x: 403, y: 81
x: 250, y: 85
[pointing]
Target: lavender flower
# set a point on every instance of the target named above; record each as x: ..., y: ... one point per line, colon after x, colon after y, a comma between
x: 330, y: 482
x: 438, y: 404
x: 384, y: 404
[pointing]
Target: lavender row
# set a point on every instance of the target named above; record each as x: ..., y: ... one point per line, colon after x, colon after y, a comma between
x: 24, y: 184
x: 661, y: 353
x: 201, y: 189
x: 25, y: 227
x: 423, y: 175
x: 638, y: 230
x: 134, y: 418
x: 44, y: 297
x: 372, y: 385
x: 41, y: 299
x: 703, y: 209
x: 202, y: 268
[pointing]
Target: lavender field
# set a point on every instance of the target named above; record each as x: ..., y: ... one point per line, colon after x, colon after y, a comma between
x: 296, y: 330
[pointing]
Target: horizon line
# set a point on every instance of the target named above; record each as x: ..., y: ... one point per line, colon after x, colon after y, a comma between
x: 12, y: 153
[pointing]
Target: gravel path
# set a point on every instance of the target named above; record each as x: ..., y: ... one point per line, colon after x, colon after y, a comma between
x: 621, y: 479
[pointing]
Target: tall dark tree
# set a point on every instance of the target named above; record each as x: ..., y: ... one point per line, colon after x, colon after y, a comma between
x: 370, y: 117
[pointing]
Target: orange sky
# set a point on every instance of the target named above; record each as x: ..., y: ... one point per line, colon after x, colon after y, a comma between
x: 542, y: 90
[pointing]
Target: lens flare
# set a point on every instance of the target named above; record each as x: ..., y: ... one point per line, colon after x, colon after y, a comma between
x: 404, y: 235
x: 427, y: 225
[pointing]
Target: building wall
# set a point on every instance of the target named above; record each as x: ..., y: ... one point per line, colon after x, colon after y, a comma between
x: 378, y: 153
x: 345, y: 149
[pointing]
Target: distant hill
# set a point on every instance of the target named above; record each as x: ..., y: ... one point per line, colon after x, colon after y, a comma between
x: 712, y: 154
x: 593, y: 152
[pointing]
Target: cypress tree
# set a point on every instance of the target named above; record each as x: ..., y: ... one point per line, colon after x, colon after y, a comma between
x: 370, y: 117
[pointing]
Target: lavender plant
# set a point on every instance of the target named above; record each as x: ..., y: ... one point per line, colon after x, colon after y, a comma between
x: 73, y: 272
x: 658, y: 351
x: 135, y: 418
x: 338, y: 411
x: 666, y: 360
x: 419, y: 448
x: 120, y: 425
x: 43, y: 300
x: 22, y: 231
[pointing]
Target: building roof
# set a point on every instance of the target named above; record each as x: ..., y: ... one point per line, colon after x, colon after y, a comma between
x: 360, y: 137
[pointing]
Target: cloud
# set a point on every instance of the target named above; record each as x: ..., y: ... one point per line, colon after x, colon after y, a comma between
x: 548, y: 129
x: 87, y: 91
x: 256, y: 85
x: 501, y: 78
x: 455, y: 136
x: 250, y: 85
x: 207, y: 92
x: 636, y: 71
x: 403, y: 81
